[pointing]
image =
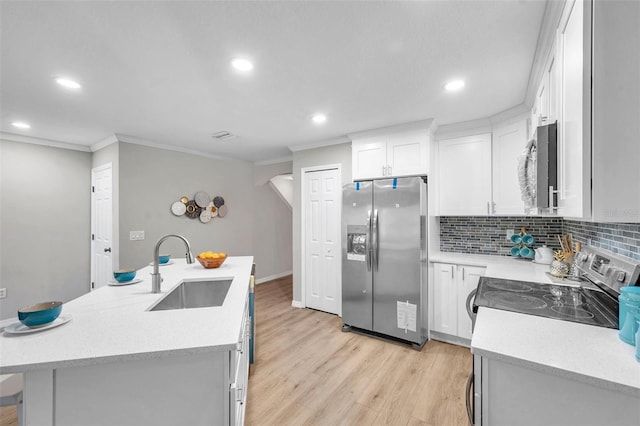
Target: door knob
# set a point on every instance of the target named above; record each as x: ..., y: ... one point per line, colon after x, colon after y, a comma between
x: 107, y: 250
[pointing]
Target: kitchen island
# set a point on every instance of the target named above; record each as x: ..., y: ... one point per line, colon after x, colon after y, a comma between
x: 116, y: 362
x: 531, y: 370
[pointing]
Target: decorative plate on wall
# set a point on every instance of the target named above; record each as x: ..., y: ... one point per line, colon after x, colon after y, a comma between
x: 202, y: 199
x: 218, y: 201
x: 178, y: 208
x: 205, y: 215
x: 193, y: 211
x: 222, y: 211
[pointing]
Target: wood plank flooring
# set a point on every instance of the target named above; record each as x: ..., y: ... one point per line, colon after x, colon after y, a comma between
x: 308, y: 372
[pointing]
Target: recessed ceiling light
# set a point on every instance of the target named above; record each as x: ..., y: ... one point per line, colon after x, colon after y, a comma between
x: 69, y: 84
x: 21, y: 125
x: 454, y: 85
x: 242, y: 64
x: 319, y: 118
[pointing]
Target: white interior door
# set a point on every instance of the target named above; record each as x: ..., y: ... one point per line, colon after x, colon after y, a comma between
x: 322, y: 240
x: 101, y: 225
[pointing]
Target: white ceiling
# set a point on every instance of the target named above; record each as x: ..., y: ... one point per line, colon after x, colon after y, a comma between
x: 159, y: 71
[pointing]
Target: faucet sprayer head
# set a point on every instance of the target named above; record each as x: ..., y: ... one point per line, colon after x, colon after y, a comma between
x: 189, y: 257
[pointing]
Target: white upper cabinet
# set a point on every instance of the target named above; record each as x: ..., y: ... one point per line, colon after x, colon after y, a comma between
x: 508, y: 143
x: 369, y: 158
x: 391, y: 152
x: 590, y: 86
x: 464, y: 175
x: 574, y: 180
x: 616, y: 112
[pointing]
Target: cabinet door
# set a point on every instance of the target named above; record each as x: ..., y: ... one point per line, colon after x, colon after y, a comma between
x: 573, y: 141
x: 464, y: 175
x: 542, y: 101
x: 407, y: 154
x: 468, y: 281
x: 508, y: 143
x: 369, y: 158
x: 444, y: 299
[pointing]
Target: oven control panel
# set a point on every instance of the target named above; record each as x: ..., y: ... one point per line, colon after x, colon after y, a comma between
x: 604, y: 267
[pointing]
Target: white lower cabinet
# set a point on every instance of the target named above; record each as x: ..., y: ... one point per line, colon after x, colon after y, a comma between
x: 451, y: 286
x: 239, y: 374
x: 506, y: 393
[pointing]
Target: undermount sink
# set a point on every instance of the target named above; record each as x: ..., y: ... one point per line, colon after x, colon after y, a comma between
x: 195, y: 294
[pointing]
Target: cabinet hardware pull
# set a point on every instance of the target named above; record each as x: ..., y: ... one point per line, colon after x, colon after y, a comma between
x: 462, y: 274
x: 452, y: 272
x: 552, y: 191
x: 384, y: 171
x: 488, y: 207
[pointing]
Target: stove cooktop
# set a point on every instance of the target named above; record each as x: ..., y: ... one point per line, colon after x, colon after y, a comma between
x: 576, y: 304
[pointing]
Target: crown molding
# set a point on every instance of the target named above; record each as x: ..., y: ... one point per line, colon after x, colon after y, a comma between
x: 111, y: 139
x: 286, y: 159
x: 507, y: 116
x: 320, y: 144
x: 139, y: 141
x: 427, y: 124
x: 44, y: 142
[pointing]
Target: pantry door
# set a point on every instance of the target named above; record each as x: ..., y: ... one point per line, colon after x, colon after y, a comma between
x: 322, y: 201
x: 101, y: 225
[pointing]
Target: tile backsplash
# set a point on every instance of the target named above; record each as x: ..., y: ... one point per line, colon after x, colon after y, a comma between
x: 621, y: 238
x: 487, y: 235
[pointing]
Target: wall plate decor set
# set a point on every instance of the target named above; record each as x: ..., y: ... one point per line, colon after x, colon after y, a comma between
x: 201, y: 207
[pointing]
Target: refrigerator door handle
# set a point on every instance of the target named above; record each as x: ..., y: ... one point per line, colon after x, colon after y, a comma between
x: 376, y: 246
x: 368, y: 248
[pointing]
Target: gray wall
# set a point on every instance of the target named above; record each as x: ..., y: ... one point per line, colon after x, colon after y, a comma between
x: 45, y: 204
x: 152, y: 179
x: 272, y: 225
x: 334, y: 154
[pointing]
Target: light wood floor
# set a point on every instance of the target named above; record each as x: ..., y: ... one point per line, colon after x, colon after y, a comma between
x: 308, y: 372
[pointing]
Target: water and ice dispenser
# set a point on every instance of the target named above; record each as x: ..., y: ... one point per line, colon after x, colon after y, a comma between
x: 356, y: 242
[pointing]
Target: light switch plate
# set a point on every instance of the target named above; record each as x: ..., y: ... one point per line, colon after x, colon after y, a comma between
x: 136, y: 235
x: 3, y: 293
x: 510, y: 232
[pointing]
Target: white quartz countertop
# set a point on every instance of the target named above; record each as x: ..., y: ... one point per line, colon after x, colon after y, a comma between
x: 113, y: 323
x: 590, y: 354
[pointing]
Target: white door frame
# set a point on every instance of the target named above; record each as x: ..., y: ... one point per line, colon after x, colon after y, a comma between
x: 303, y: 215
x: 114, y: 255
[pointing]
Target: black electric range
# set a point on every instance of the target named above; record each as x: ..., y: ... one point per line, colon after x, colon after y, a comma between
x: 576, y: 304
x: 591, y: 299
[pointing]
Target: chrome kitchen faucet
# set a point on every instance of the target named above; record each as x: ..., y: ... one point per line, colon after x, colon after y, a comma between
x: 156, y: 279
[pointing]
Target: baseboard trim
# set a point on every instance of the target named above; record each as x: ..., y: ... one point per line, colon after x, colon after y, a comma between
x: 273, y: 277
x: 297, y: 304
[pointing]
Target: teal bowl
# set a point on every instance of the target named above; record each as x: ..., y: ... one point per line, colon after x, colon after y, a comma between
x: 124, y: 275
x: 40, y: 314
x: 164, y: 258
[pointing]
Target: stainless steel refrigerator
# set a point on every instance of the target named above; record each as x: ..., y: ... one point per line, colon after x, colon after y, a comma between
x: 384, y: 257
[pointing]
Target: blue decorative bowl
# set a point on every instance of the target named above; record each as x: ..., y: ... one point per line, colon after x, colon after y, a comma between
x: 164, y: 258
x: 124, y: 275
x: 40, y: 314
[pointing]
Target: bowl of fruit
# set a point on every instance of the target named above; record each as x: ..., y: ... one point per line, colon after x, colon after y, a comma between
x: 210, y: 259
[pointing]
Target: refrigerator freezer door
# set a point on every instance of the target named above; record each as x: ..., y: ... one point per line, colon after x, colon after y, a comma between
x: 357, y: 295
x: 397, y: 268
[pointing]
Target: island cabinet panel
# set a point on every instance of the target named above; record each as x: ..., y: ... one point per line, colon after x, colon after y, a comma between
x: 516, y: 395
x: 173, y: 390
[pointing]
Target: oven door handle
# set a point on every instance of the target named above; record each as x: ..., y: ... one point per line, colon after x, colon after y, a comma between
x: 468, y: 400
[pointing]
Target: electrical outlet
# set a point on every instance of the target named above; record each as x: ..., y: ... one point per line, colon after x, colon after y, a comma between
x: 509, y: 233
x: 3, y: 293
x: 136, y: 235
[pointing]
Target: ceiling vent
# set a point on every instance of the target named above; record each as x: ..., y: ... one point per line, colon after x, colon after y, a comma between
x: 222, y: 136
